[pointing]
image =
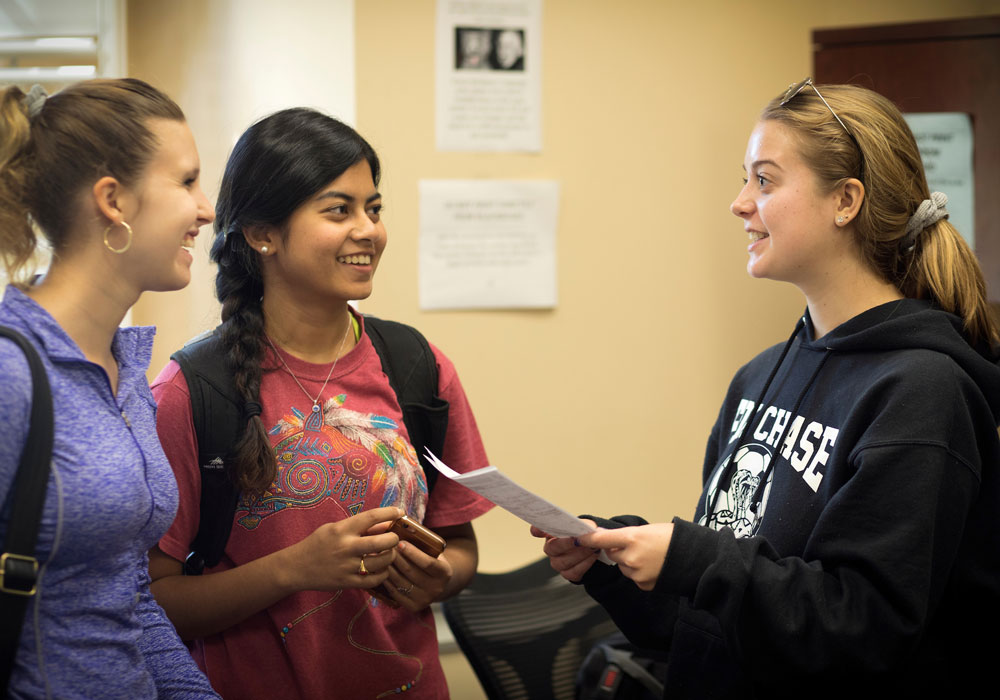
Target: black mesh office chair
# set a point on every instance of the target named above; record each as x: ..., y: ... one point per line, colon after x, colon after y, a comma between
x: 526, y: 632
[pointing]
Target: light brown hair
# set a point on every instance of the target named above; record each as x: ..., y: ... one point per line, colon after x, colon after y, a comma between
x: 82, y: 133
x: 939, y: 265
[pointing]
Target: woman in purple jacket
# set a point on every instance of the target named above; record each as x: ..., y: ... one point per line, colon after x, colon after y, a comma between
x: 108, y: 171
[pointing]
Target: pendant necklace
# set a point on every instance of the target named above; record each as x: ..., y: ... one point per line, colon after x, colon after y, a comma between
x: 315, y: 401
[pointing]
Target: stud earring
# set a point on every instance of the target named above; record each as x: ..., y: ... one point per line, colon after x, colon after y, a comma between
x: 840, y: 219
x: 263, y: 250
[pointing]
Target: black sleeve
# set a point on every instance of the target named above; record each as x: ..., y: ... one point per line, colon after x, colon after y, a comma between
x: 645, y: 617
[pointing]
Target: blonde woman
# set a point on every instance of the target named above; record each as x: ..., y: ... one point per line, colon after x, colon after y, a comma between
x: 846, y: 538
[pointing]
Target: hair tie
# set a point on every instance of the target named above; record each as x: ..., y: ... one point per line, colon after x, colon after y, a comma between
x: 35, y: 100
x: 251, y: 409
x: 928, y: 213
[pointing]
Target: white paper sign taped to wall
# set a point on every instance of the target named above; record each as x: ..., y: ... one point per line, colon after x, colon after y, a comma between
x: 488, y: 244
x: 488, y: 90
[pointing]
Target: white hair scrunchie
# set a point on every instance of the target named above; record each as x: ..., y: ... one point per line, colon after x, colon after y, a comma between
x: 35, y: 100
x: 928, y: 213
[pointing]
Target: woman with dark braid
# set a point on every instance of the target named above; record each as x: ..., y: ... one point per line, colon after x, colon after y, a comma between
x: 108, y: 171
x: 846, y: 542
x: 324, y: 459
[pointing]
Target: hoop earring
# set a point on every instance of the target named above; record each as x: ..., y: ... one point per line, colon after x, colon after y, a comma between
x: 125, y: 247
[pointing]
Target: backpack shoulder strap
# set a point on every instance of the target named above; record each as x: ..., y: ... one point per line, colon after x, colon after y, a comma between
x: 18, y: 565
x: 204, y: 359
x: 218, y: 417
x: 411, y: 367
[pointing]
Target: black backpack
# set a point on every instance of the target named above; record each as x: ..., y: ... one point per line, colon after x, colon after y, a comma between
x: 219, y: 415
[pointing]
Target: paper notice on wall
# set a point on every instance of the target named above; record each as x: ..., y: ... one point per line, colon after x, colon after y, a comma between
x: 945, y: 143
x: 488, y: 243
x: 488, y: 88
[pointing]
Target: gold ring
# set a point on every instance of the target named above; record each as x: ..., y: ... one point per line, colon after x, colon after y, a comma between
x: 362, y: 571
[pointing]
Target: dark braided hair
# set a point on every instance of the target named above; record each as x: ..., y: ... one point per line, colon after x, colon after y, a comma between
x: 276, y: 166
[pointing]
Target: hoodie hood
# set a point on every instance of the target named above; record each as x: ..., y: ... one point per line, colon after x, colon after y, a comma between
x: 909, y: 324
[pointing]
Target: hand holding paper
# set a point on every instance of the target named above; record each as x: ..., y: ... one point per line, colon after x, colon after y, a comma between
x: 493, y: 485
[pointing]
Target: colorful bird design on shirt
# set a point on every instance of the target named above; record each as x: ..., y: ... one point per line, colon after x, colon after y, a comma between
x: 358, y: 460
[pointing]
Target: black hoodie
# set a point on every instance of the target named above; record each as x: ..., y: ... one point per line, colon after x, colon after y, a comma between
x: 866, y: 555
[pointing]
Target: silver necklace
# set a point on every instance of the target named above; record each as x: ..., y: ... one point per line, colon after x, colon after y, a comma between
x: 315, y: 401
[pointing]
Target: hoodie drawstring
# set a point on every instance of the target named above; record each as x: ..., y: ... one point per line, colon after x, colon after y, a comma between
x: 725, y: 479
x: 759, y: 491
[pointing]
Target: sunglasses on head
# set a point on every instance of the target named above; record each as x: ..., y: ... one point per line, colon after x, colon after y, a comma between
x: 795, y: 88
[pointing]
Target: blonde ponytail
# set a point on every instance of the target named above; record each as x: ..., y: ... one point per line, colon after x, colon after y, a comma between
x: 945, y: 269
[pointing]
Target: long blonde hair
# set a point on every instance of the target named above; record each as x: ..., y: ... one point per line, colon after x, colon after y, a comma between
x: 939, y: 265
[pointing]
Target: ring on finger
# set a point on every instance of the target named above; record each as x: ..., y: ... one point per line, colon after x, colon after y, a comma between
x: 405, y: 591
x: 362, y: 571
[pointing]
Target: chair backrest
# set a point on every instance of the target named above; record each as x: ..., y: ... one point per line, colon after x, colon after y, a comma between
x: 526, y: 632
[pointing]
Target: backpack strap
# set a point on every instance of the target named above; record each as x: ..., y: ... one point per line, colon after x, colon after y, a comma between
x: 218, y: 415
x: 411, y: 367
x: 18, y: 565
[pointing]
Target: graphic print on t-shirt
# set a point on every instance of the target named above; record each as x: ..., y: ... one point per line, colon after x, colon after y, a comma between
x: 356, y: 460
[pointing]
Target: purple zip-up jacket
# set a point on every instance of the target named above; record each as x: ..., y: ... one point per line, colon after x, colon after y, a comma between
x: 93, y: 630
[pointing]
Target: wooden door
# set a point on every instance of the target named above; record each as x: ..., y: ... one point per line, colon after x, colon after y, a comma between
x: 941, y: 66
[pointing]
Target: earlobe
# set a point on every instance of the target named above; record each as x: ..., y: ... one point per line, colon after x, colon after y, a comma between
x: 852, y: 194
x: 260, y: 238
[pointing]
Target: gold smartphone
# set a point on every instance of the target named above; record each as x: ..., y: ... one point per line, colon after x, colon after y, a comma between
x: 425, y: 540
x: 413, y: 532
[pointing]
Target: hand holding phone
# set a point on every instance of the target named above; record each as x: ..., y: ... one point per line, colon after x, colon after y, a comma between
x: 427, y: 541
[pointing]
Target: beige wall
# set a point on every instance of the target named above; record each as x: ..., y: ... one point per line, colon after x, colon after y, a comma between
x: 604, y: 403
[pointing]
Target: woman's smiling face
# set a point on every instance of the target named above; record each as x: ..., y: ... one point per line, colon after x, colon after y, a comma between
x: 170, y: 209
x: 333, y: 242
x: 790, y: 220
